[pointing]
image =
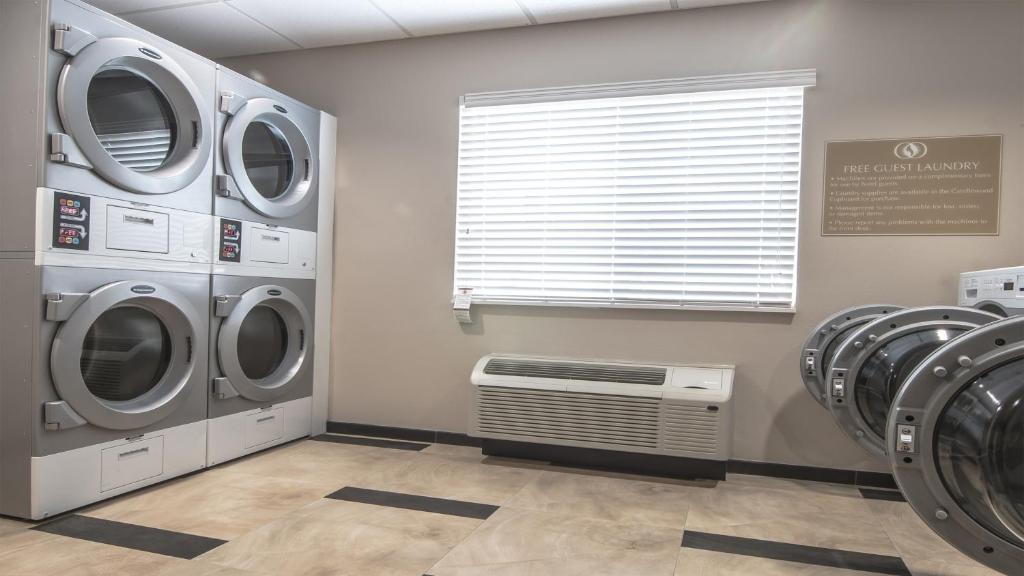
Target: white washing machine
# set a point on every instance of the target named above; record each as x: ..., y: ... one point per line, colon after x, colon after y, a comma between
x: 1000, y: 290
x: 267, y: 161
x: 261, y: 337
x: 956, y: 443
x: 98, y: 106
x: 870, y: 367
x: 104, y: 353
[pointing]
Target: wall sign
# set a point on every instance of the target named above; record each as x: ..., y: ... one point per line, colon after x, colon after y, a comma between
x: 912, y: 186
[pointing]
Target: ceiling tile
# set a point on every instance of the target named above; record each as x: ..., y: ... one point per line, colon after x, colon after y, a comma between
x: 118, y: 6
x: 425, y: 17
x: 546, y: 11
x: 323, y: 22
x: 213, y: 30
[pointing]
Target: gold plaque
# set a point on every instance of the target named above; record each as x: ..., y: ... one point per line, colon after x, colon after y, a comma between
x: 912, y: 186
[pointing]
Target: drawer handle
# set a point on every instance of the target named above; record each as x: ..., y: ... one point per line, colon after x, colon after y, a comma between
x: 137, y: 219
x: 130, y: 453
x: 271, y: 238
x: 264, y: 419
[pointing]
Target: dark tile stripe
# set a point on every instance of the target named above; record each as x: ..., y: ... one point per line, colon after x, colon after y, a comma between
x: 876, y: 480
x: 458, y: 439
x: 796, y: 553
x: 144, y: 538
x: 793, y: 471
x: 375, y: 442
x: 410, y: 434
x: 413, y: 502
x: 890, y: 495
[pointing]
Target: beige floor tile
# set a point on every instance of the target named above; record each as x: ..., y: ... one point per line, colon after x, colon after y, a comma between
x: 200, y: 568
x: 705, y: 563
x: 20, y: 539
x: 59, y: 556
x: 333, y: 538
x: 330, y: 465
x: 917, y: 543
x: 618, y: 500
x: 920, y: 567
x: 218, y: 503
x: 558, y: 543
x: 13, y: 526
x: 467, y: 453
x: 443, y: 477
x: 823, y: 515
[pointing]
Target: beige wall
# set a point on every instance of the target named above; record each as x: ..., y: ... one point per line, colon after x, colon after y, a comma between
x: 886, y: 68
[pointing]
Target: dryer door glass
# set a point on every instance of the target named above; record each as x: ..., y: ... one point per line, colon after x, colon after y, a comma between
x: 268, y: 159
x: 132, y: 119
x: 125, y: 353
x: 262, y: 342
x: 979, y: 450
x: 884, y: 372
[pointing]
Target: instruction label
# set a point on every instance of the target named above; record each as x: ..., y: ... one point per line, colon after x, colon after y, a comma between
x: 912, y: 186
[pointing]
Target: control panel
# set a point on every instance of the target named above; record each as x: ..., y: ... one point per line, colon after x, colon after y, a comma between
x: 70, y: 221
x: 230, y: 240
x: 254, y: 249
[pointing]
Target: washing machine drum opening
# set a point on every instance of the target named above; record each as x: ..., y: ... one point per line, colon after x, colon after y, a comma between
x: 979, y: 450
x: 262, y: 342
x: 268, y: 159
x: 125, y: 354
x: 885, y: 371
x: 132, y: 118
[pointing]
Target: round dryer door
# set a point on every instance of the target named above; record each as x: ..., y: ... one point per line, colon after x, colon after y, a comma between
x: 123, y: 356
x: 264, y: 343
x: 135, y: 115
x: 825, y: 339
x: 268, y: 157
x: 956, y: 438
x: 870, y: 367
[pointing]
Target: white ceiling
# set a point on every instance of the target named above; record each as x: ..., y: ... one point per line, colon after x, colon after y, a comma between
x: 221, y: 28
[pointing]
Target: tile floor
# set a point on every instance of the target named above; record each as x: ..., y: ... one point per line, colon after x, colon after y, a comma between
x: 329, y: 508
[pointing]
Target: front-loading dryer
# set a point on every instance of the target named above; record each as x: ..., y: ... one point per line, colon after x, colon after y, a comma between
x: 1000, y: 290
x: 104, y: 108
x: 869, y: 368
x: 267, y: 161
x: 104, y: 354
x: 823, y: 341
x: 261, y: 337
x: 956, y: 443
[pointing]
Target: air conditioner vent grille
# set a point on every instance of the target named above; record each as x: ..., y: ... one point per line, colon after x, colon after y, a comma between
x: 690, y: 428
x: 576, y: 371
x: 623, y: 421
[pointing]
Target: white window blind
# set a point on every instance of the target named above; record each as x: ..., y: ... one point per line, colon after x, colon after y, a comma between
x: 660, y: 194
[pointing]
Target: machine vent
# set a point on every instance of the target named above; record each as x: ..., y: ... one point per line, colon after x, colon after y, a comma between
x: 576, y: 371
x: 622, y: 421
x: 691, y: 428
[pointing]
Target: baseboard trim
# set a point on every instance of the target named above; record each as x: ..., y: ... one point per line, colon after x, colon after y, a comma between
x: 792, y: 471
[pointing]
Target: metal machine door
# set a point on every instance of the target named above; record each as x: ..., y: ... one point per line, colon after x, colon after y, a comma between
x: 868, y: 369
x: 825, y: 339
x: 263, y: 344
x: 956, y: 439
x: 122, y: 356
x: 269, y: 161
x: 131, y: 113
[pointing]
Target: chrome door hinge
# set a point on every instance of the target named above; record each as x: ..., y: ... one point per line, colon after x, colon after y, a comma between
x: 69, y: 40
x: 225, y: 187
x: 225, y: 304
x: 59, y: 416
x: 64, y: 150
x: 60, y: 305
x: 230, y: 103
x: 222, y: 389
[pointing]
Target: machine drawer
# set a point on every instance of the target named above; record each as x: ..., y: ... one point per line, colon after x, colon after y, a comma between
x: 137, y: 230
x: 268, y: 245
x: 131, y: 462
x: 264, y: 426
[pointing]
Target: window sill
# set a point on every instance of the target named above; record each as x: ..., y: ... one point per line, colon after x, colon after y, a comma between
x: 633, y: 306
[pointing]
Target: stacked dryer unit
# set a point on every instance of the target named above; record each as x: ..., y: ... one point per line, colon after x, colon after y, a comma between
x: 130, y: 354
x: 267, y: 166
x: 104, y: 277
x: 1000, y: 290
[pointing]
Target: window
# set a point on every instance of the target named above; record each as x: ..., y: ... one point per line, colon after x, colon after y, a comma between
x: 677, y: 193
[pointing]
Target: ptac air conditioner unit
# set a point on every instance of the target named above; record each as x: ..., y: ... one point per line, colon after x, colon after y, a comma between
x: 663, y: 419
